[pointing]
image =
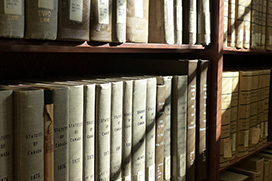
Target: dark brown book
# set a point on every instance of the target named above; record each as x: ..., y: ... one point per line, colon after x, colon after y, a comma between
x: 201, y: 119
x: 101, y: 20
x: 41, y: 19
x: 160, y: 122
x: 12, y: 19
x: 74, y: 20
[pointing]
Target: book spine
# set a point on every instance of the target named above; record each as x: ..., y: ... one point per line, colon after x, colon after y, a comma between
x: 101, y: 24
x: 254, y: 24
x: 204, y: 23
x: 167, y: 127
x: 75, y: 132
x: 268, y: 42
x: 178, y: 21
x: 74, y: 20
x: 247, y: 24
x: 61, y: 136
x: 41, y: 19
x: 28, y: 134
x: 179, y: 127
x: 226, y: 14
x: 234, y: 113
x: 156, y: 29
x: 231, y: 27
x: 89, y: 132
x: 116, y: 130
x: 191, y: 120
x: 263, y: 24
x: 190, y: 21
x: 240, y: 10
x: 201, y: 123
x: 127, y: 130
x: 48, y: 135
x: 103, y: 128
x: 6, y: 135
x: 266, y: 85
x: 259, y: 23
x: 225, y: 147
x: 138, y: 129
x: 260, y: 108
x: 169, y: 21
x: 137, y: 21
x: 160, y: 122
x: 12, y: 19
x: 150, y: 128
x: 119, y: 21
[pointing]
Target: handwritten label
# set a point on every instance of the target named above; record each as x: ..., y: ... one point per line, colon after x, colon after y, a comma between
x: 103, y: 12
x: 76, y: 10
x: 227, y: 147
x: 13, y: 7
x: 121, y: 11
x: 139, y: 11
x: 255, y: 136
x: 182, y: 165
x: 246, y: 136
x: 151, y: 172
x: 179, y: 18
x: 47, y: 4
x: 167, y: 168
x: 141, y: 176
x: 170, y: 10
x: 233, y: 147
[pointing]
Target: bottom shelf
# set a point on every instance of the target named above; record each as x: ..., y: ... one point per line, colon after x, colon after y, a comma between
x: 239, y: 159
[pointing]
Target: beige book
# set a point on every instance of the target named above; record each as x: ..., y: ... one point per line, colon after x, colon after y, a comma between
x: 247, y: 23
x: 259, y: 23
x: 28, y: 134
x: 268, y: 157
x: 74, y: 20
x: 127, y: 130
x: 151, y: 94
x: 169, y: 21
x: 179, y: 127
x: 231, y: 24
x: 178, y: 19
x: 253, y: 174
x: 137, y: 21
x: 101, y: 22
x: 243, y: 112
x: 254, y: 24
x: 266, y: 87
x: 119, y: 13
x: 240, y: 11
x: 253, y: 163
x: 260, y: 108
x: 226, y: 16
x: 6, y: 134
x: 268, y: 35
x: 190, y: 21
x: 263, y: 23
x: 204, y: 22
x: 232, y: 176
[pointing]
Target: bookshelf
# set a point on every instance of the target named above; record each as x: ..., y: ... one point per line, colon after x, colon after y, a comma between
x: 100, y: 56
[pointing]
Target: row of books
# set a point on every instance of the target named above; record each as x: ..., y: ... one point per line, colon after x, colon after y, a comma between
x: 256, y: 168
x: 245, y: 109
x: 168, y: 21
x: 248, y: 24
x: 107, y: 128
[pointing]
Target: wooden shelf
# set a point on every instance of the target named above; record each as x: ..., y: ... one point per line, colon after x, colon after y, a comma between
x: 15, y: 45
x: 231, y: 50
x: 239, y: 159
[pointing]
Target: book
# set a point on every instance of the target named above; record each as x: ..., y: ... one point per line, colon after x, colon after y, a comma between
x: 156, y: 28
x: 119, y: 14
x: 247, y: 23
x: 253, y: 163
x: 150, y: 158
x: 231, y: 23
x: 240, y: 11
x: 204, y: 22
x: 101, y: 21
x: 6, y: 134
x: 168, y: 21
x: 253, y: 174
x: 254, y: 24
x: 102, y: 130
x: 28, y: 134
x: 226, y: 16
x: 48, y: 135
x: 12, y: 19
x: 263, y: 22
x: 41, y: 19
x: 179, y: 126
x: 225, y: 143
x: 268, y: 35
x: 127, y: 130
x: 189, y: 21
x: 266, y: 88
x: 137, y: 21
x: 138, y: 129
x: 160, y: 122
x: 201, y: 119
x: 74, y: 20
x: 178, y: 19
x: 232, y: 176
x: 167, y: 81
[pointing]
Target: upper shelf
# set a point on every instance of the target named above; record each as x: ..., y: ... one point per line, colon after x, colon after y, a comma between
x: 230, y: 50
x: 14, y: 45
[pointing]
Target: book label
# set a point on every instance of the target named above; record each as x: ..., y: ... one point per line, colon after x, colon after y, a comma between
x: 246, y: 136
x: 182, y: 165
x: 151, y: 172
x: 141, y: 176
x: 255, y: 136
x: 47, y: 4
x: 179, y: 18
x: 13, y: 7
x: 266, y: 129
x: 121, y: 11
x: 127, y: 178
x: 170, y: 10
x: 233, y: 147
x: 76, y: 10
x: 192, y: 24
x: 167, y: 168
x: 227, y: 148
x: 139, y: 11
x: 262, y: 130
x: 103, y: 12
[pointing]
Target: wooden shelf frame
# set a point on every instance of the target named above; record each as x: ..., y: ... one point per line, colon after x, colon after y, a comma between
x: 233, y: 51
